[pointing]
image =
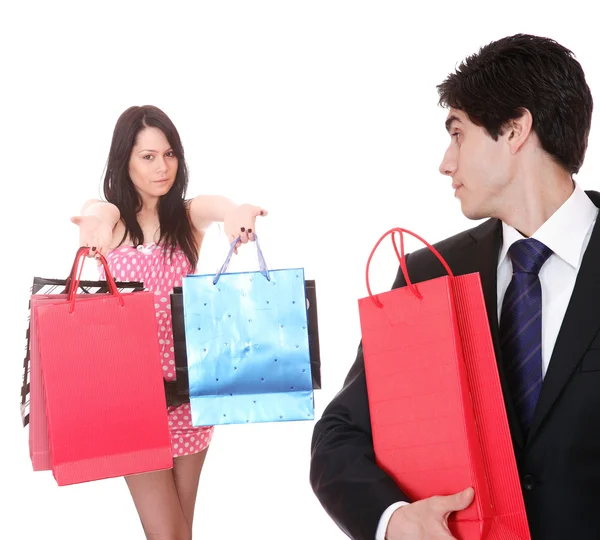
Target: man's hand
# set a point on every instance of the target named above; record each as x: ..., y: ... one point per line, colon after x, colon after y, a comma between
x: 427, y: 519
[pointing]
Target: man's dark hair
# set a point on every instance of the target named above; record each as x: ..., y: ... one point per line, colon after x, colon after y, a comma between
x: 526, y: 72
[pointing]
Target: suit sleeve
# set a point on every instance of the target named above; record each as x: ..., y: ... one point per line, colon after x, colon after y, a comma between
x: 352, y: 489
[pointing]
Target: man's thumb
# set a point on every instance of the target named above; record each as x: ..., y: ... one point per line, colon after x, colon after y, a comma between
x: 465, y: 498
x: 459, y: 501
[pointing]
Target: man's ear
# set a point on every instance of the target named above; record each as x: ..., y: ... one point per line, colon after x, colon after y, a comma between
x: 517, y: 131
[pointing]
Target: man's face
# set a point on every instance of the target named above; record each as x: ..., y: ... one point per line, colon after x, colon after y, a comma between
x: 478, y: 165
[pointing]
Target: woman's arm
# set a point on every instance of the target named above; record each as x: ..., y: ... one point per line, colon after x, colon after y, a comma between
x: 238, y: 220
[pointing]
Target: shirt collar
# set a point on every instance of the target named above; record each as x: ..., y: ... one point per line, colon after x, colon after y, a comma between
x: 564, y: 232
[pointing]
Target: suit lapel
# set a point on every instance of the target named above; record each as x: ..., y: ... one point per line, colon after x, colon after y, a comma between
x: 489, y: 242
x: 577, y: 330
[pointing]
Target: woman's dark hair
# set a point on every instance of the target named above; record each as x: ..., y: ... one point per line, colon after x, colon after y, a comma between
x: 526, y: 72
x: 175, y: 226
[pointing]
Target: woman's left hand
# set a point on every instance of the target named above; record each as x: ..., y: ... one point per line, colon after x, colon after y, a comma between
x: 241, y: 221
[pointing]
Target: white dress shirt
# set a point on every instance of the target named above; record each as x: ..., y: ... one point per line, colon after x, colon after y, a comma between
x: 567, y: 233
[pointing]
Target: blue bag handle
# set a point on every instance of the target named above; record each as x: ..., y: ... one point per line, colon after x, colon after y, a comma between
x: 261, y: 260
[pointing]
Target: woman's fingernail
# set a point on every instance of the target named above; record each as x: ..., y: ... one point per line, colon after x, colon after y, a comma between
x: 249, y: 231
x: 243, y: 229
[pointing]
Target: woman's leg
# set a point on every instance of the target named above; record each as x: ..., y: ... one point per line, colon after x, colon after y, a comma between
x: 186, y: 472
x: 157, y: 502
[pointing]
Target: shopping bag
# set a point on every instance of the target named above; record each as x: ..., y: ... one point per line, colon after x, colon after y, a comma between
x: 102, y: 380
x: 39, y: 446
x: 437, y: 411
x: 247, y: 345
x: 181, y: 383
x: 314, y: 347
x: 32, y: 395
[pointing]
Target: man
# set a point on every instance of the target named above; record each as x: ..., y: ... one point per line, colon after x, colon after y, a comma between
x: 519, y: 119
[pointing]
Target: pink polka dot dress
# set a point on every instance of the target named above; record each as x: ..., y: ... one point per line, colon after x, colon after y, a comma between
x: 147, y: 263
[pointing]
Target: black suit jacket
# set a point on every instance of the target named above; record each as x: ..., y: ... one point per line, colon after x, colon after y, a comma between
x: 559, y: 462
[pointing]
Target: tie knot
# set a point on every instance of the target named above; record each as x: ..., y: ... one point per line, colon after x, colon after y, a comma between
x: 528, y: 255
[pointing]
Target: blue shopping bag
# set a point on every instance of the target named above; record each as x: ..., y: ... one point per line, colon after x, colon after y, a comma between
x: 247, y: 346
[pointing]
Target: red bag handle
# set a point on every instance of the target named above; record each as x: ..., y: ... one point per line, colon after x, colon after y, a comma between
x: 75, y: 276
x: 402, y: 260
x: 69, y: 280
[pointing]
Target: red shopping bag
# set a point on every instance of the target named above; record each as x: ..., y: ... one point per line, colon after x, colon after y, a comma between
x: 39, y: 451
x: 39, y: 448
x: 437, y: 411
x: 102, y: 379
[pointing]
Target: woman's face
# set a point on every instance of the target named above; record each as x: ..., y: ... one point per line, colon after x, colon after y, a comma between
x: 152, y: 164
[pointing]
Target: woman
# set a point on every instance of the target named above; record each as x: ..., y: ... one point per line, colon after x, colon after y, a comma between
x: 149, y: 232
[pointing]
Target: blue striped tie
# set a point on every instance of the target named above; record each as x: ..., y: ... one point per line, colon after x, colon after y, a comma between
x: 521, y: 327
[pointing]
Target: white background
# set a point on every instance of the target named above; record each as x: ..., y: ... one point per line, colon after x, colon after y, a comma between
x: 324, y: 112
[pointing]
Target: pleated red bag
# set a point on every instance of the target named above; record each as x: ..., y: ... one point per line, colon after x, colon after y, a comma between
x: 103, y: 386
x: 437, y: 410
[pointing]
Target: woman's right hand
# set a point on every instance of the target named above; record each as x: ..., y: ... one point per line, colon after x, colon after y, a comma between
x: 94, y: 233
